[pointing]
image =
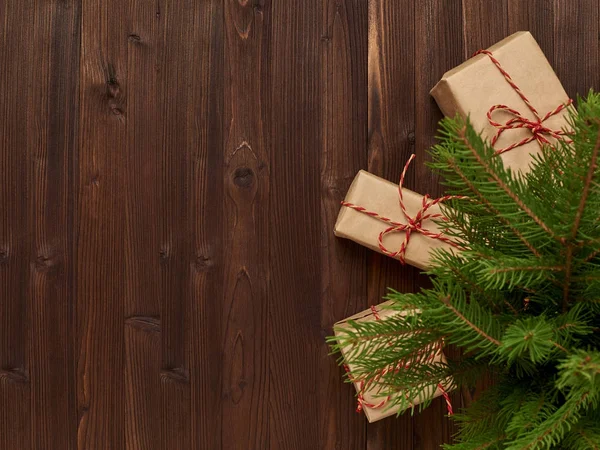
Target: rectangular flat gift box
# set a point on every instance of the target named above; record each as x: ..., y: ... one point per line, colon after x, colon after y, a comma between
x: 371, y: 395
x: 477, y: 84
x: 381, y: 196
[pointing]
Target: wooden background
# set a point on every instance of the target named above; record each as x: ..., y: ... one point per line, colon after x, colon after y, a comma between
x: 170, y: 175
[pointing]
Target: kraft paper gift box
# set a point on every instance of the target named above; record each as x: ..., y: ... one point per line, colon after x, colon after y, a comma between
x: 375, y: 405
x: 375, y: 194
x: 477, y: 85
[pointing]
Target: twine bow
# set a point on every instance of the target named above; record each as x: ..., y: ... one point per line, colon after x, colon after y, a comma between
x: 364, y: 384
x: 414, y: 224
x: 538, y: 130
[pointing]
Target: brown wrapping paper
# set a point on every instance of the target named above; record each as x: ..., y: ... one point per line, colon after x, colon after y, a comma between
x: 381, y: 196
x: 372, y: 395
x: 476, y: 85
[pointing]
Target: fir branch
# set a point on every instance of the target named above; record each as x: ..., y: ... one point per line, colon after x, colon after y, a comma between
x: 475, y: 287
x: 592, y: 255
x: 560, y: 347
x: 567, y: 282
x: 478, y: 446
x: 587, y: 439
x: 491, y: 208
x: 586, y: 186
x: 479, y: 331
x: 568, y: 412
x: 529, y: 269
x: 577, y: 220
x: 502, y: 184
x: 490, y: 443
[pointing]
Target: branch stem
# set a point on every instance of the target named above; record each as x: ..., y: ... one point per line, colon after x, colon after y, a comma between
x: 494, y: 176
x: 479, y: 331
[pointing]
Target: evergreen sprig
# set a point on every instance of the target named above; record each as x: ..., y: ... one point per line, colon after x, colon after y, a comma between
x: 520, y: 300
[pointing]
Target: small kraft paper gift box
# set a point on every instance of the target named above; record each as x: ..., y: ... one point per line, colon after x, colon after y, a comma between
x: 371, y: 401
x: 511, y: 95
x: 392, y: 220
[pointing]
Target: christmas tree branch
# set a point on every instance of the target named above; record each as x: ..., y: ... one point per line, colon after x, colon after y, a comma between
x: 586, y: 186
x: 529, y: 269
x: 462, y: 134
x: 489, y: 206
x: 577, y: 221
x: 591, y: 444
x: 568, y: 412
x: 446, y: 301
x: 567, y: 282
x: 592, y: 255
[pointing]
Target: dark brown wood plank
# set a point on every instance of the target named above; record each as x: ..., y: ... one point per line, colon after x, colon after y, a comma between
x: 205, y: 148
x: 576, y: 45
x: 52, y: 132
x: 343, y: 283
x: 100, y: 224
x: 174, y: 251
x: 246, y: 231
x: 391, y: 138
x: 141, y: 198
x: 484, y: 24
x: 142, y: 383
x: 535, y: 16
x: 39, y: 127
x: 16, y: 60
x: 439, y: 47
x: 294, y: 136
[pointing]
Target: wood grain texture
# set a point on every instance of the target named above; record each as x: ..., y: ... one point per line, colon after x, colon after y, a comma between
x: 39, y: 133
x: 483, y: 24
x: 170, y: 177
x: 52, y: 139
x: 178, y: 42
x: 16, y: 59
x: 205, y: 137
x: 142, y: 381
x: 441, y: 28
x: 534, y: 16
x: 141, y: 199
x: 246, y: 272
x: 344, y: 51
x: 100, y: 272
x: 391, y: 139
x: 294, y: 135
x: 575, y: 46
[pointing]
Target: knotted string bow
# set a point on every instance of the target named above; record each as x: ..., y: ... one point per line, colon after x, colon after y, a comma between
x: 538, y: 130
x: 364, y: 384
x: 414, y: 224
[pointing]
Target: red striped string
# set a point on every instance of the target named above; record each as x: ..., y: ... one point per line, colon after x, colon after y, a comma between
x: 414, y: 224
x: 537, y: 128
x: 364, y: 385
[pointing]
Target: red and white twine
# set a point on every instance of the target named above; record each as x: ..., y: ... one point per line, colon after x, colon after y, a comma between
x: 413, y: 223
x: 364, y: 384
x: 538, y: 130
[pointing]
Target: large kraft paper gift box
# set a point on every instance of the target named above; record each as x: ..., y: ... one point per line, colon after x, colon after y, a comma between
x: 478, y: 84
x: 375, y: 194
x: 375, y: 405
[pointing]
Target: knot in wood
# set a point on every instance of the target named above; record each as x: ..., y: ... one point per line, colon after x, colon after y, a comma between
x: 45, y: 263
x: 203, y: 263
x: 243, y: 177
x: 113, y: 88
x: 134, y: 38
